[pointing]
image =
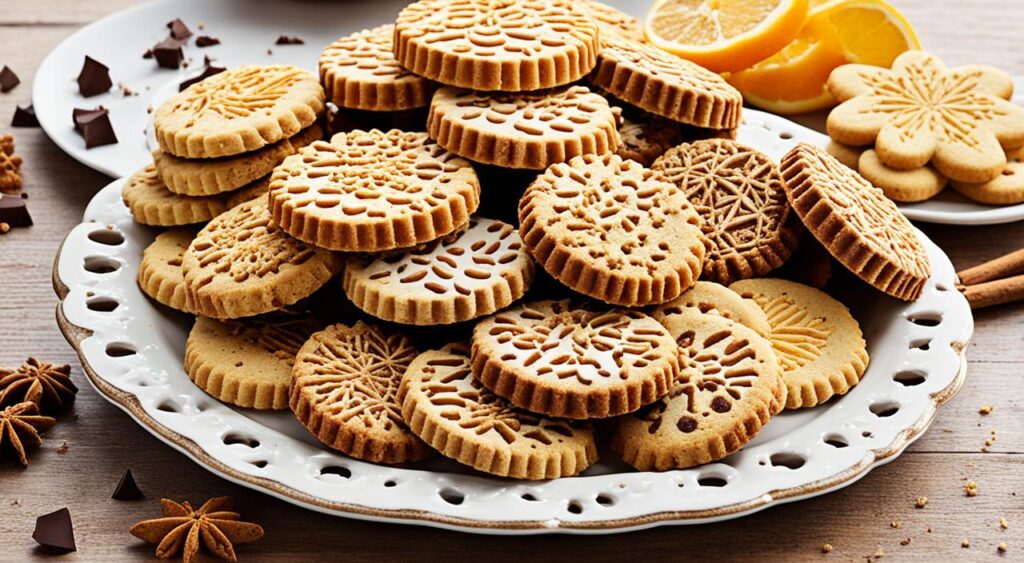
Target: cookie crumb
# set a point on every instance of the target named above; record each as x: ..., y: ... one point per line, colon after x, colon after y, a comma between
x: 965, y: 543
x: 1001, y: 548
x: 63, y: 449
x: 895, y: 524
x: 921, y: 502
x: 15, y: 502
x: 971, y: 489
x: 826, y: 548
x: 4, y: 228
x: 985, y: 410
x: 905, y: 541
x: 879, y: 553
x: 1003, y: 523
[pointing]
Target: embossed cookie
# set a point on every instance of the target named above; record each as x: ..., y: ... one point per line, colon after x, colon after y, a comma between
x: 457, y: 278
x: 849, y: 156
x: 522, y: 130
x: 248, y: 362
x: 645, y: 137
x: 566, y: 360
x: 1006, y: 189
x: 344, y: 388
x: 612, y: 20
x: 817, y: 342
x: 238, y: 111
x: 725, y: 394
x: 855, y: 222
x: 901, y: 185
x: 497, y: 45
x: 369, y: 191
x: 919, y: 111
x: 664, y: 84
x: 241, y: 265
x: 450, y: 410
x: 151, y: 203
x: 710, y: 298
x: 610, y: 229
x: 738, y: 193
x: 213, y: 176
x: 359, y: 71
x: 160, y: 274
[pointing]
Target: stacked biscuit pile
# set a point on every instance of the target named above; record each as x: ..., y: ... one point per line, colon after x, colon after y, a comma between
x: 648, y: 309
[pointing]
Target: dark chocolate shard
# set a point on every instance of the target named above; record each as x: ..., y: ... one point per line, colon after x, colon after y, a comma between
x: 209, y: 71
x: 168, y: 53
x: 179, y: 30
x: 94, y: 78
x: 8, y: 80
x: 286, y: 40
x: 94, y: 126
x: 206, y: 41
x: 55, y: 532
x: 148, y: 54
x: 24, y: 116
x: 14, y: 211
x: 127, y: 489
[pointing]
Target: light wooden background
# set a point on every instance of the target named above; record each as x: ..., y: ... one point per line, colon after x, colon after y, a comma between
x: 102, y: 440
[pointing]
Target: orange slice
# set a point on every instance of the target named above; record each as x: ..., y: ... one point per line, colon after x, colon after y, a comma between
x: 725, y: 35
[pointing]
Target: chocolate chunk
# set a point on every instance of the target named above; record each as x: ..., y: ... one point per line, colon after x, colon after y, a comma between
x: 179, y: 30
x: 94, y: 78
x: 148, y: 54
x: 8, y: 80
x: 207, y: 72
x: 285, y: 40
x: 14, y: 212
x: 94, y: 126
x: 24, y: 116
x: 206, y: 41
x: 127, y: 489
x: 54, y: 531
x: 168, y: 53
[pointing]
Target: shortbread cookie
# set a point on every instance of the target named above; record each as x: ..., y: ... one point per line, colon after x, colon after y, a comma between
x: 359, y: 71
x: 563, y: 359
x: 241, y: 265
x: 710, y: 298
x: 344, y: 389
x: 901, y: 185
x: 646, y: 137
x: 489, y: 45
x: 151, y: 203
x: 918, y: 112
x: 608, y: 228
x: 849, y: 156
x: 199, y: 177
x: 454, y: 279
x: 1006, y: 189
x: 612, y: 20
x: 726, y: 392
x: 370, y: 191
x: 238, y: 111
x: 450, y: 410
x: 856, y: 222
x: 665, y: 84
x: 160, y: 274
x: 818, y: 343
x: 738, y: 193
x: 259, y: 188
x: 522, y: 130
x: 248, y: 362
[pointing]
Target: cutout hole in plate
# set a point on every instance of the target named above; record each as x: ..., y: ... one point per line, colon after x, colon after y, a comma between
x: 928, y: 319
x: 605, y: 500
x: 108, y: 236
x: 910, y: 377
x: 120, y: 349
x: 787, y: 459
x: 337, y: 470
x: 866, y: 434
x: 921, y: 344
x: 452, y: 496
x: 884, y: 409
x: 168, y: 406
x: 100, y: 264
x: 390, y: 483
x: 261, y: 463
x: 712, y: 481
x: 575, y: 507
x: 785, y: 135
x: 102, y: 304
x: 836, y: 440
x: 236, y: 438
x: 528, y: 497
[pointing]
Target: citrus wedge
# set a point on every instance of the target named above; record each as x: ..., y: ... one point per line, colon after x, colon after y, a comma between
x: 725, y: 35
x: 870, y: 32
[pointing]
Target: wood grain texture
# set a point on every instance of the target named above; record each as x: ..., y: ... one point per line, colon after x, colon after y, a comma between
x: 102, y: 440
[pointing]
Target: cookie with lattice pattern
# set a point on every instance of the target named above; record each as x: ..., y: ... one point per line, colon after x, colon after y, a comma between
x: 531, y: 130
x: 612, y: 21
x: 237, y: 111
x: 665, y: 84
x: 241, y: 264
x: 503, y: 45
x: 905, y: 186
x: 359, y: 71
x: 855, y: 222
x: 738, y: 193
x: 726, y: 392
x: 710, y: 298
x: 370, y: 191
x: 344, y: 391
x: 1006, y: 189
x: 151, y: 203
x: 457, y: 278
x: 160, y: 274
x: 569, y: 360
x: 449, y: 409
x: 818, y: 344
x: 248, y: 362
x: 608, y: 228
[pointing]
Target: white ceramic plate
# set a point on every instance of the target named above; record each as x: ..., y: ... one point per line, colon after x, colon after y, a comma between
x: 132, y: 352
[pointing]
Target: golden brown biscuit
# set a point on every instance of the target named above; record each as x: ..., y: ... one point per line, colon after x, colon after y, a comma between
x: 901, y: 185
x: 151, y: 203
x: 160, y: 274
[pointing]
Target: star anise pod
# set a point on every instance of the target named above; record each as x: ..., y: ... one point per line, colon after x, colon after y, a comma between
x: 44, y: 384
x: 20, y: 426
x: 182, y: 529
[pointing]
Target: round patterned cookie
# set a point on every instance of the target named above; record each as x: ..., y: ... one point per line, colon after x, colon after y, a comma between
x: 611, y: 20
x: 727, y: 390
x: 160, y: 274
x: 247, y: 362
x: 506, y: 45
x: 359, y: 71
x: 738, y: 193
x: 645, y: 137
x: 238, y: 111
x: 457, y: 278
x: 664, y: 84
x: 151, y: 203
x: 900, y: 185
x: 344, y: 391
x: 241, y: 265
x: 849, y: 156
x: 530, y: 130
x: 450, y: 410
x: 608, y: 228
x: 562, y: 359
x: 855, y: 222
x: 1006, y: 189
x: 819, y: 345
x: 710, y: 298
x: 370, y: 191
x: 213, y: 176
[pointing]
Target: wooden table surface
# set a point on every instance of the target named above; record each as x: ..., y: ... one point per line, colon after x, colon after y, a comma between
x: 102, y: 441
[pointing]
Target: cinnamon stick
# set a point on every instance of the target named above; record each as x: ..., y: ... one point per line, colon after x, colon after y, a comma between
x: 995, y: 292
x: 1002, y: 267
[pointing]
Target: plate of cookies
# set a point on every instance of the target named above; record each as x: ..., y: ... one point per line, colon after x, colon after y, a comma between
x: 503, y: 268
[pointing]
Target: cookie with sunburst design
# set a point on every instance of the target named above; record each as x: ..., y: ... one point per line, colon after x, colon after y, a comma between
x: 710, y: 298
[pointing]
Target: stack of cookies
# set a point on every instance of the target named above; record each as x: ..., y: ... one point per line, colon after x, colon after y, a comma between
x: 629, y: 290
